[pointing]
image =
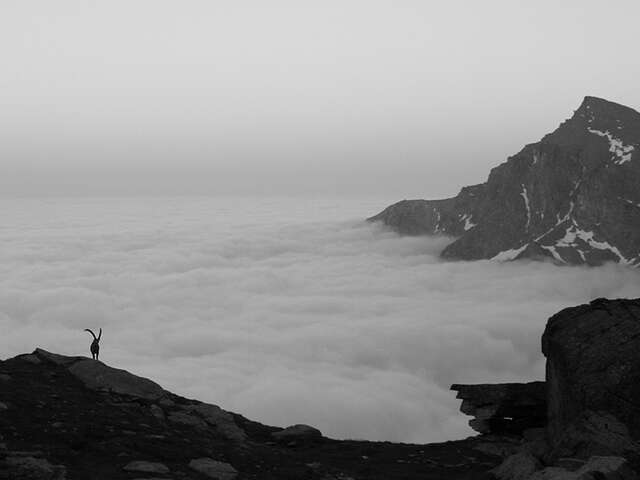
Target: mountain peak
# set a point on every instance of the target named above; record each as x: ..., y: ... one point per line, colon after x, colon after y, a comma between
x: 595, y: 107
x: 595, y: 102
x: 572, y: 197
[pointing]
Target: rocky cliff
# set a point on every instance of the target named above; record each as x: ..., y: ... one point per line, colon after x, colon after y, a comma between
x: 593, y: 379
x: 572, y: 197
x: 591, y: 429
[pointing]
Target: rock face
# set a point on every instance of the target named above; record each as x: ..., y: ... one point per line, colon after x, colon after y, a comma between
x: 572, y: 197
x: 593, y: 378
x: 504, y: 408
x: 592, y: 397
x: 598, y: 468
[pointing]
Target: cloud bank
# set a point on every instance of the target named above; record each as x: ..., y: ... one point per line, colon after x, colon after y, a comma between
x: 284, y: 311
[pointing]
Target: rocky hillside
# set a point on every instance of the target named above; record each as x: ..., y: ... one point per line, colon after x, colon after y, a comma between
x: 572, y: 197
x: 581, y: 423
x: 75, y: 418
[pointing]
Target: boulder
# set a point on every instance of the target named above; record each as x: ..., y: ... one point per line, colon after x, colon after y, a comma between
x: 62, y: 360
x: 298, y: 432
x: 593, y: 378
x: 214, y: 469
x: 181, y: 418
x: 553, y: 473
x: 146, y: 467
x: 606, y: 468
x: 504, y: 408
x: 157, y: 412
x: 519, y: 466
x: 597, y: 468
x: 219, y: 419
x: 98, y: 376
x: 498, y: 447
x: 32, y: 468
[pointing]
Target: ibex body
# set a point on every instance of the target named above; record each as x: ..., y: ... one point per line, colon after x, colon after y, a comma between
x: 95, y: 345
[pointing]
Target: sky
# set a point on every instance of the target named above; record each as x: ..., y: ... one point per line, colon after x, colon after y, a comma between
x: 407, y: 98
x: 286, y: 311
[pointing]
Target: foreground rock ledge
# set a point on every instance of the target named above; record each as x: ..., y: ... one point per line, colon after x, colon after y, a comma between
x: 74, y: 418
x: 504, y: 408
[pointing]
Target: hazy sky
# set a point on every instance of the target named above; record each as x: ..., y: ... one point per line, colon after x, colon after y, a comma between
x: 410, y: 98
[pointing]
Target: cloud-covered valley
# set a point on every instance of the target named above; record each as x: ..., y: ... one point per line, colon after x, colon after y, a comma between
x: 287, y: 311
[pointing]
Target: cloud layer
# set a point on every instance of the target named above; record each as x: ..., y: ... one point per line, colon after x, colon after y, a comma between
x: 286, y: 311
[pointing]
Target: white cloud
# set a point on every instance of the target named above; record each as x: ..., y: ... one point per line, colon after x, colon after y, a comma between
x: 279, y: 315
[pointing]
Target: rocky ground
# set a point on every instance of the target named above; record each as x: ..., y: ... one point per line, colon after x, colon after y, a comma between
x: 73, y: 418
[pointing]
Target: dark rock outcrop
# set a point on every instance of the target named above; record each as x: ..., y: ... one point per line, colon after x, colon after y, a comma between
x: 572, y: 197
x: 592, y: 398
x: 297, y: 433
x: 593, y: 378
x: 60, y: 425
x: 504, y: 408
x: 98, y: 376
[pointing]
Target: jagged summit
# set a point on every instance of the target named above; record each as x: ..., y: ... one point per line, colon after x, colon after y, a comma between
x: 572, y: 197
x: 603, y: 105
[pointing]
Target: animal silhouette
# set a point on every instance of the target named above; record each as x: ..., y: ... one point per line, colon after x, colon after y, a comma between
x: 95, y: 345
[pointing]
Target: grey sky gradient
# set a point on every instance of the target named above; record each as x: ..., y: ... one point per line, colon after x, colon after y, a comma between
x: 410, y: 98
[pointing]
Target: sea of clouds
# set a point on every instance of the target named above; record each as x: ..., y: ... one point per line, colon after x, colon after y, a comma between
x: 285, y: 310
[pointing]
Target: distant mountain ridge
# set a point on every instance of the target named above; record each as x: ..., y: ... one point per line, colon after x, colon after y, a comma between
x: 574, y: 197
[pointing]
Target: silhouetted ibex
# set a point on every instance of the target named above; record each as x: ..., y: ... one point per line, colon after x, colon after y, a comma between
x: 95, y: 345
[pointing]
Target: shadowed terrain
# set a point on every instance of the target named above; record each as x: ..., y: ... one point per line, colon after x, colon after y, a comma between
x: 79, y: 416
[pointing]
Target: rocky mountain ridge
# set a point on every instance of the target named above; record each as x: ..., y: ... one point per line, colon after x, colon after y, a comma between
x: 572, y: 197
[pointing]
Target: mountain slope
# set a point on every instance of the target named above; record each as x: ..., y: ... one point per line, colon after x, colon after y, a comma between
x: 574, y: 196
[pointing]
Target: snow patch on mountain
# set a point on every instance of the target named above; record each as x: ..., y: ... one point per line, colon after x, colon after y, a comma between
x: 510, y: 254
x: 616, y: 146
x: 554, y: 253
x: 573, y: 233
x: 468, y: 221
x: 524, y: 195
